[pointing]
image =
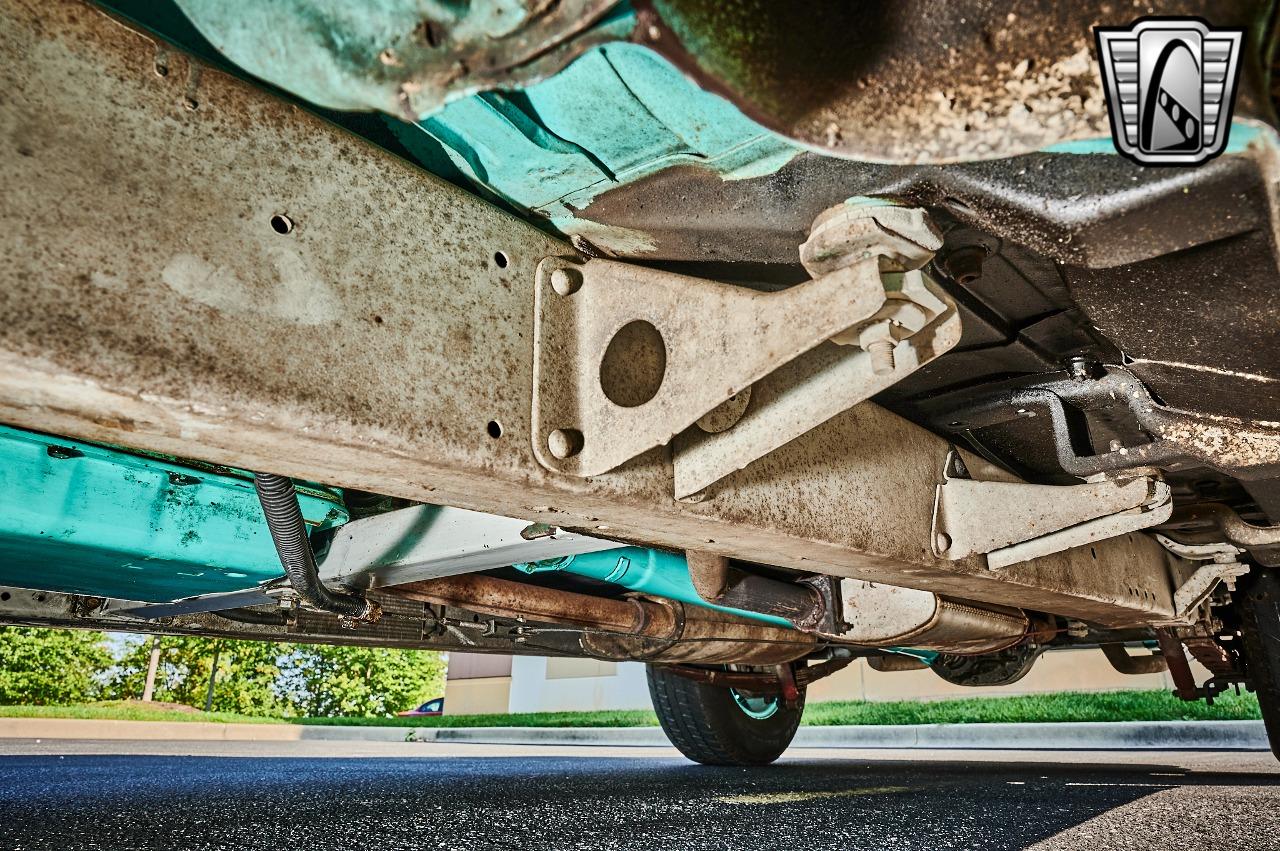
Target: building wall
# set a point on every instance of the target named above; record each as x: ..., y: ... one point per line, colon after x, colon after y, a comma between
x: 539, y: 684
x: 477, y: 684
x: 478, y: 696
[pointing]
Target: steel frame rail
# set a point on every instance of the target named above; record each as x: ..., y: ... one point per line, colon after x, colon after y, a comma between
x: 383, y: 340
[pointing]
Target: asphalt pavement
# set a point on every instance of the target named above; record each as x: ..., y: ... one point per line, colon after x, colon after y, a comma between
x: 316, y: 796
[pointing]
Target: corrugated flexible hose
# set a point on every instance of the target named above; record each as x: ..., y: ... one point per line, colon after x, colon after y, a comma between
x: 279, y: 501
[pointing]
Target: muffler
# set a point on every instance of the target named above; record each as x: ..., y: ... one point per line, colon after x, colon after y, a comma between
x: 876, y: 615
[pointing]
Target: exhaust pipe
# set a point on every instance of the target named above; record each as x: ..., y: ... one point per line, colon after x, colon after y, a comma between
x: 873, y: 615
x: 669, y: 576
x: 655, y: 630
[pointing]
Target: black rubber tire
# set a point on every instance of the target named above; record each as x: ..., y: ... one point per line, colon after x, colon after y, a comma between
x: 707, y: 725
x: 1258, y: 601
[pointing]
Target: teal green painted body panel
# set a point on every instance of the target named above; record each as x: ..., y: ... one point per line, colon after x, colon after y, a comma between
x: 616, y: 114
x: 644, y: 571
x: 402, y: 57
x: 86, y: 519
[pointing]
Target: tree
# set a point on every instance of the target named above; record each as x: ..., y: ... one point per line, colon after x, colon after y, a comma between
x: 267, y: 678
x: 322, y: 680
x: 50, y: 666
x: 248, y: 672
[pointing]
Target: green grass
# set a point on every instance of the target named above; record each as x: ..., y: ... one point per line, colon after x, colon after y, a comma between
x: 606, y: 718
x: 131, y: 710
x: 1067, y: 706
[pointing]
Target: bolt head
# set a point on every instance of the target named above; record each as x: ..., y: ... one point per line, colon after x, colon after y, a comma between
x: 566, y: 281
x: 564, y: 442
x: 942, y: 542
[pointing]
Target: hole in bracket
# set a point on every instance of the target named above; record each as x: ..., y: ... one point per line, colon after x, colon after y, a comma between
x: 281, y: 224
x: 501, y: 260
x: 634, y: 364
x: 494, y: 429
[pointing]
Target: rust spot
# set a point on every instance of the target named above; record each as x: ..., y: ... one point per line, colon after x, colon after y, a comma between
x: 428, y: 33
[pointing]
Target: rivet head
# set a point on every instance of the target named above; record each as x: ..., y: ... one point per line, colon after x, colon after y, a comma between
x: 564, y: 442
x: 566, y: 281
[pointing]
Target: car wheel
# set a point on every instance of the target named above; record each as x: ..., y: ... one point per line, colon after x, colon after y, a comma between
x: 1258, y: 599
x: 715, y: 725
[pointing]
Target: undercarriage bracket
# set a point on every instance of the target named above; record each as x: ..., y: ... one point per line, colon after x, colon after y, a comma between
x: 1218, y: 563
x: 627, y: 357
x: 1013, y: 522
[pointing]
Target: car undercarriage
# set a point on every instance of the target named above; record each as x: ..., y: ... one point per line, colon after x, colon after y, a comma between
x: 741, y: 339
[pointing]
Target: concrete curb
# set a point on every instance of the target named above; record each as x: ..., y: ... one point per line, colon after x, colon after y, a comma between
x: 201, y: 731
x: 1123, y: 735
x: 607, y: 736
x: 1077, y: 736
x: 1129, y: 735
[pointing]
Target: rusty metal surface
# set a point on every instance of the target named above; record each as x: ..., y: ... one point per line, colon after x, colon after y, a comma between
x: 700, y: 647
x: 1184, y: 680
x: 1211, y: 654
x: 877, y: 615
x: 919, y: 80
x: 802, y: 604
x: 762, y: 682
x: 1122, y: 661
x: 697, y: 343
x: 402, y: 57
x: 916, y: 323
x: 892, y: 664
x: 633, y: 628
x: 147, y: 301
x: 405, y: 623
x: 502, y: 597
